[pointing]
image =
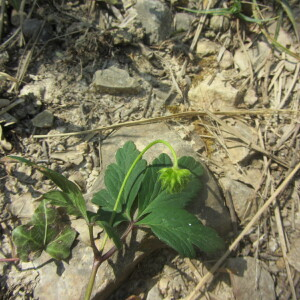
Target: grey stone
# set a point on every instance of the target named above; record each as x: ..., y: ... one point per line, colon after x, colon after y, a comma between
x: 114, y: 81
x: 70, y: 279
x: 156, y: 18
x: 183, y: 21
x: 154, y: 294
x: 257, y: 54
x: 236, y: 149
x: 226, y: 61
x: 4, y: 102
x: 43, y: 119
x: 32, y: 26
x: 243, y: 198
x: 23, y: 206
x: 219, y: 23
x: 250, y: 280
x: 206, y: 48
x: 294, y: 253
x: 218, y: 95
x: 7, y: 119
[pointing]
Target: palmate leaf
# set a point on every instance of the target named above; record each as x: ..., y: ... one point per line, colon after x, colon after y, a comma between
x: 73, y: 198
x: 164, y: 212
x: 151, y: 195
x: 46, y: 231
x: 182, y: 230
x: 114, y: 177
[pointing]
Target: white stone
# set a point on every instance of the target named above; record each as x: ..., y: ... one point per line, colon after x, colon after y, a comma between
x: 250, y: 97
x: 206, y: 48
x: 154, y: 294
x: 257, y: 54
x: 226, y: 60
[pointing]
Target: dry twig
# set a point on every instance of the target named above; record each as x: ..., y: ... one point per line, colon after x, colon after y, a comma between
x: 208, y: 276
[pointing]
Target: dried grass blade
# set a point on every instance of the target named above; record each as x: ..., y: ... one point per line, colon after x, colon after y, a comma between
x: 208, y: 276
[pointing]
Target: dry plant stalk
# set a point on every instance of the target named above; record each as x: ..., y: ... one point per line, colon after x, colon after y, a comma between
x: 208, y: 276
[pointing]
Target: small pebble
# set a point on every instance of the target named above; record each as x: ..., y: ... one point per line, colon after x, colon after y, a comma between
x: 274, y: 166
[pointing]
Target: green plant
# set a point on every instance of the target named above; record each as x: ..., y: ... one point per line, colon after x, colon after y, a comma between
x: 234, y: 10
x: 136, y: 193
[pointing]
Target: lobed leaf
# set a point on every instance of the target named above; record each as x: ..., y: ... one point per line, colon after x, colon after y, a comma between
x: 151, y: 195
x: 46, y: 231
x: 163, y: 212
x: 114, y: 177
x: 75, y: 200
x: 182, y: 231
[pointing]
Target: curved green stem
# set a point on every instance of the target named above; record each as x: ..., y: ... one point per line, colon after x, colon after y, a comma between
x: 132, y: 167
x: 175, y: 164
x: 90, y: 286
x: 98, y: 260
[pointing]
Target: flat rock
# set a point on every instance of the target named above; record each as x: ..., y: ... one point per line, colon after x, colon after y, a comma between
x: 257, y: 54
x: 238, y: 150
x: 219, y: 23
x: 243, y: 198
x: 250, y: 280
x: 206, y: 48
x: 31, y: 27
x: 294, y: 254
x: 70, y: 279
x: 183, y: 21
x: 7, y: 119
x: 114, y: 81
x: 43, y: 119
x: 154, y: 294
x: 219, y: 95
x: 226, y: 61
x: 4, y: 102
x: 156, y: 19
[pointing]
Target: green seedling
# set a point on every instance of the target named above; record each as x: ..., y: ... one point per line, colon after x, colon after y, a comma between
x: 137, y: 193
x: 234, y: 10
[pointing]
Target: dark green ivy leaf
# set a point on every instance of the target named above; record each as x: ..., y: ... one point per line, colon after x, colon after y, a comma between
x: 73, y: 198
x: 114, y: 177
x: 46, y: 231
